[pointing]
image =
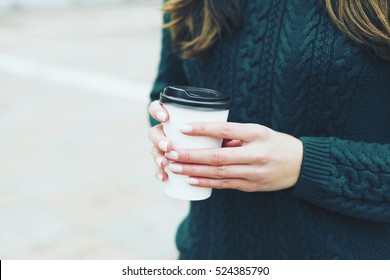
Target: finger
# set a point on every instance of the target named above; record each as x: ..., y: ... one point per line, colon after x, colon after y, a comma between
x: 226, y: 130
x: 161, y: 163
x: 158, y: 138
x: 238, y: 184
x: 161, y: 175
x: 217, y: 157
x: 217, y: 172
x: 159, y: 158
x: 158, y: 112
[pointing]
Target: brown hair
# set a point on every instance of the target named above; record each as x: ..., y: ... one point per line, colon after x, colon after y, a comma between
x: 197, y: 24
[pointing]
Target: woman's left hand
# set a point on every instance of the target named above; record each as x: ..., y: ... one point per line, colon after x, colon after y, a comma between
x: 254, y: 158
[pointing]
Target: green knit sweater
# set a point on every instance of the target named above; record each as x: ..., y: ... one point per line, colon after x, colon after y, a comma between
x: 291, y: 69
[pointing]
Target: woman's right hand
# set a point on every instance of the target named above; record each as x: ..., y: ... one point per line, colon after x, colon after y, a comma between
x: 160, y: 142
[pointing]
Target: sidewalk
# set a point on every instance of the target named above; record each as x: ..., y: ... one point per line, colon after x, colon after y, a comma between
x: 76, y: 175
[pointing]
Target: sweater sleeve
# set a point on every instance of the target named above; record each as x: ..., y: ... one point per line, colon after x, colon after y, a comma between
x: 352, y: 178
x: 170, y: 70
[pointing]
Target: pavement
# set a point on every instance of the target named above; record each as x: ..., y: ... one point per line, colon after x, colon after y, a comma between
x: 76, y: 175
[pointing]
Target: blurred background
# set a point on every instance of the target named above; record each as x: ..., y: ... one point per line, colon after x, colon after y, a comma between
x: 76, y: 175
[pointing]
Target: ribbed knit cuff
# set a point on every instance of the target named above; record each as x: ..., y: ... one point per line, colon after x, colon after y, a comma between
x: 315, y: 170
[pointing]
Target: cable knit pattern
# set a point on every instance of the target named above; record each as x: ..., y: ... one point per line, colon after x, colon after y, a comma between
x: 290, y: 68
x: 294, y: 66
x: 249, y: 56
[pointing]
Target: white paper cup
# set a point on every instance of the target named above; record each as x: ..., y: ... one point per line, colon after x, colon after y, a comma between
x: 214, y: 108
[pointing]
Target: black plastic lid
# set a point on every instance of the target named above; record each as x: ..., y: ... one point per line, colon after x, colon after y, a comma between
x: 196, y: 98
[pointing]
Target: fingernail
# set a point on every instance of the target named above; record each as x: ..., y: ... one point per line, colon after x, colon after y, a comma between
x: 161, y: 116
x: 159, y: 161
x: 163, y: 145
x: 192, y: 181
x: 175, y: 168
x: 160, y: 177
x: 172, y: 155
x: 185, y: 128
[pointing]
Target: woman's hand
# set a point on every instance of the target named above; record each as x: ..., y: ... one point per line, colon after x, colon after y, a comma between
x: 255, y: 159
x: 160, y: 142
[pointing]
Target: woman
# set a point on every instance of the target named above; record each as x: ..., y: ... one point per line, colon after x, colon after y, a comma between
x: 305, y: 170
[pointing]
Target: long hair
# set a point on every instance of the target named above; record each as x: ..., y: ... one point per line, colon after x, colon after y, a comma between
x: 197, y: 24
